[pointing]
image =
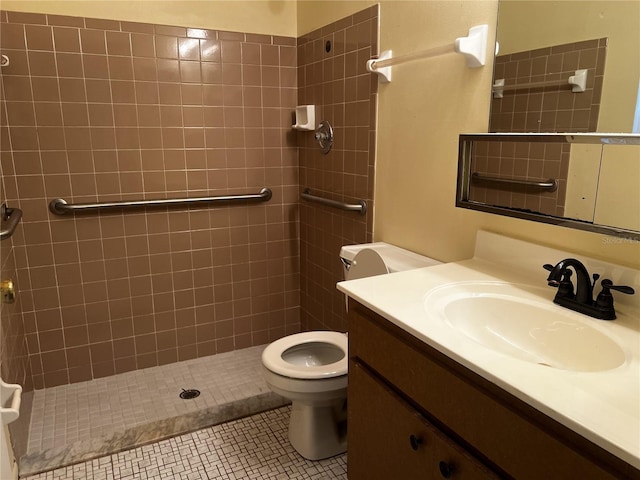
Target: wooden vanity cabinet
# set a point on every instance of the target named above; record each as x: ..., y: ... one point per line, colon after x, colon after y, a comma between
x: 415, y: 413
x: 396, y: 441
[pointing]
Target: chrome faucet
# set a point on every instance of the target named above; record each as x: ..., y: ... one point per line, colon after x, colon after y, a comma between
x: 582, y: 300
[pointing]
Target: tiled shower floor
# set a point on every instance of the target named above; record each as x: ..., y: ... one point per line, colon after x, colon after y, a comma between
x: 254, y: 447
x: 73, y: 423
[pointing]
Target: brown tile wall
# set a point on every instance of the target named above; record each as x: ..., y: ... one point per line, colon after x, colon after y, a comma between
x: 534, y: 161
x: 550, y: 109
x: 345, y: 94
x: 107, y: 110
x: 14, y: 355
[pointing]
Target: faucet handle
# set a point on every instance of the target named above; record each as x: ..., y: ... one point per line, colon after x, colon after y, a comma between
x: 605, y: 299
x: 565, y: 287
x: 608, y: 285
x: 552, y: 282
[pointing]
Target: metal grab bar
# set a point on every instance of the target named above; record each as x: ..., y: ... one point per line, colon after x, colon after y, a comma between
x: 577, y: 82
x: 550, y: 185
x: 10, y: 218
x: 59, y: 206
x: 360, y: 207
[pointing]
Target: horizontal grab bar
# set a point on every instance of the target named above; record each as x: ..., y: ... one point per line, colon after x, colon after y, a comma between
x: 360, y: 207
x: 550, y: 185
x: 10, y: 218
x: 59, y: 206
x: 577, y: 82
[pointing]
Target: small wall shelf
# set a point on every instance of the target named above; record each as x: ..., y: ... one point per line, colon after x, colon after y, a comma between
x: 305, y: 118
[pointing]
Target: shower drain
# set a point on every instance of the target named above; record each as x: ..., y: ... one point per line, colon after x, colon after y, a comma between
x: 189, y: 394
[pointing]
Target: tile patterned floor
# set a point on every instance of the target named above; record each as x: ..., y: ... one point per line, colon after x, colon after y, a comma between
x: 254, y: 447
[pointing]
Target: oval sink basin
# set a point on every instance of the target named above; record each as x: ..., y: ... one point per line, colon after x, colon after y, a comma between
x: 511, y: 319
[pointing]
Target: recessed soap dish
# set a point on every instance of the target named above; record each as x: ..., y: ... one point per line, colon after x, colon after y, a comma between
x: 305, y: 118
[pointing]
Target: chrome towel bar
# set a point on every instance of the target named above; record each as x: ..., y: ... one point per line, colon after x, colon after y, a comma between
x: 59, y: 206
x: 9, y: 217
x: 360, y: 207
x: 550, y: 185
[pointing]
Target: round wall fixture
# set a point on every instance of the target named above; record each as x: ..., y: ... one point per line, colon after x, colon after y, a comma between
x: 324, y: 136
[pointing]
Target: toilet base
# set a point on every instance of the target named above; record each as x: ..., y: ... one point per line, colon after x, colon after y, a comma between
x: 318, y: 432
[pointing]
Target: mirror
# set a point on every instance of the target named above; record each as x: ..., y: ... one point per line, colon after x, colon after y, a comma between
x: 545, y: 43
x: 563, y: 66
x: 584, y: 181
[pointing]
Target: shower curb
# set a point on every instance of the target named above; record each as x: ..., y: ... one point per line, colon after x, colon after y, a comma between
x: 81, y: 451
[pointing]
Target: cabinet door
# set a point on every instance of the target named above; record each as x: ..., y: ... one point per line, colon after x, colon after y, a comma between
x: 389, y: 439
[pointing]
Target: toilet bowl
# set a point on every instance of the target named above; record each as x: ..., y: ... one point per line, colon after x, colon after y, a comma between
x: 310, y: 368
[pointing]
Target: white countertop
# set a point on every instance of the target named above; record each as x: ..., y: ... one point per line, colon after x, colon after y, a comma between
x: 602, y: 406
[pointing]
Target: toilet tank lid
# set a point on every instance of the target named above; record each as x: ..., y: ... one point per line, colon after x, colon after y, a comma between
x: 397, y: 259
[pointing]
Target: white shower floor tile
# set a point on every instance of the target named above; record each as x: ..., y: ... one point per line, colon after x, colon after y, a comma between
x: 254, y: 447
x: 72, y: 423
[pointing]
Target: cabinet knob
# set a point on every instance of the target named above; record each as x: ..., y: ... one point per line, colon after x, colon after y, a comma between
x: 446, y: 469
x: 415, y: 442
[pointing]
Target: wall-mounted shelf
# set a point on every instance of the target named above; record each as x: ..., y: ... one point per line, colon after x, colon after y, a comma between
x: 305, y: 118
x: 473, y: 47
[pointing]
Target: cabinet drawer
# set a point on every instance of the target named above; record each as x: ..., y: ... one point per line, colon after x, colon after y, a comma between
x: 513, y: 437
x: 389, y: 439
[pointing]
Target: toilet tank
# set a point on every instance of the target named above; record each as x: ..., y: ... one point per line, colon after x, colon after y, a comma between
x: 395, y: 259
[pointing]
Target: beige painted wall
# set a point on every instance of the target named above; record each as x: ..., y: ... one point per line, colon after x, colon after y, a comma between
x: 618, y: 187
x: 582, y: 181
x: 313, y: 14
x: 527, y: 25
x: 603, y: 185
x: 273, y: 17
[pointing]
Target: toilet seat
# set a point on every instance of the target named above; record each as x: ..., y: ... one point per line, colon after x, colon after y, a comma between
x: 273, y: 361
x: 366, y: 263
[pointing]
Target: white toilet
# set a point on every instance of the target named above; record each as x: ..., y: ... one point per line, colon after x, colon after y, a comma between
x: 310, y: 368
